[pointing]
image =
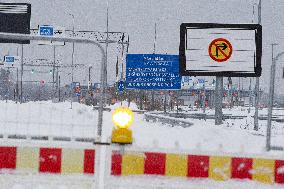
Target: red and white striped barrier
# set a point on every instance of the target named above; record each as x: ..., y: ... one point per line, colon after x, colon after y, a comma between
x: 47, y: 160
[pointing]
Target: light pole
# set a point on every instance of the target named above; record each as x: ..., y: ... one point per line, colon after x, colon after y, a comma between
x: 89, y: 81
x: 22, y: 72
x: 72, y: 62
x: 257, y: 78
x: 271, y: 95
x: 53, y: 73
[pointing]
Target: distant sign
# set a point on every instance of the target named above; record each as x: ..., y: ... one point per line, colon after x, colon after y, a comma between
x: 11, y: 61
x: 74, y: 84
x: 152, y: 71
x: 96, y: 86
x: 186, y: 82
x: 15, y: 18
x: 121, y: 86
x: 77, y: 88
x: 51, y: 31
x: 231, y: 50
x: 45, y: 30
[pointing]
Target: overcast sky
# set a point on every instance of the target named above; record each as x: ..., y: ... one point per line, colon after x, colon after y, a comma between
x: 138, y: 17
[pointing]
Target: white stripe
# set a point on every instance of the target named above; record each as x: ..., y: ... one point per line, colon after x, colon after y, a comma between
x: 15, y: 6
x: 13, y: 9
x: 13, y: 12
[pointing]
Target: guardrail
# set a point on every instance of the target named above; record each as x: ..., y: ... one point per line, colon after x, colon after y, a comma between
x: 167, y: 120
x: 210, y: 116
x: 48, y: 138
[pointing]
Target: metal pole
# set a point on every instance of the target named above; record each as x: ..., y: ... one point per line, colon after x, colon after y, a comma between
x: 53, y: 73
x: 58, y: 88
x: 17, y: 86
x: 155, y: 38
x: 106, y: 50
x: 239, y: 93
x: 218, y: 100
x: 22, y: 72
x: 57, y: 80
x: 250, y: 97
x: 270, y: 101
x: 72, y: 62
x: 89, y: 83
x: 165, y: 102
x: 204, y: 99
x: 101, y: 150
x: 154, y: 51
x: 257, y: 80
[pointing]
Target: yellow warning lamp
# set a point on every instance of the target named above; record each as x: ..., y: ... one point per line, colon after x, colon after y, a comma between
x: 122, y: 118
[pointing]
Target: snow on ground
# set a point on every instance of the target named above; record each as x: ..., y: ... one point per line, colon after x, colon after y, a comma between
x: 57, y: 119
x: 235, y: 137
x: 130, y: 182
x: 47, y: 118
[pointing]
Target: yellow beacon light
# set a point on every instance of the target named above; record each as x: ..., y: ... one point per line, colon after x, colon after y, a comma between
x: 122, y: 118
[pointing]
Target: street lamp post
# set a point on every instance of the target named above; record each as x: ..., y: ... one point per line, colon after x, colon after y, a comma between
x: 257, y: 78
x: 72, y: 62
x: 271, y: 95
x: 89, y: 81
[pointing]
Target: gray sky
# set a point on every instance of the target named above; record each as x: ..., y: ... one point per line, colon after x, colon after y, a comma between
x: 138, y: 17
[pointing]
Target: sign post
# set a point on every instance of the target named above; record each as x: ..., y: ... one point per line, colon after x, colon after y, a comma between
x: 218, y: 100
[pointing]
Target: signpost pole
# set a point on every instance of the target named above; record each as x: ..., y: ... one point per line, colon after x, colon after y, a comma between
x: 165, y: 102
x: 250, y: 97
x: 22, y: 72
x: 154, y: 51
x: 53, y: 72
x: 270, y: 102
x: 72, y: 62
x: 204, y: 99
x: 218, y: 100
x: 17, y: 86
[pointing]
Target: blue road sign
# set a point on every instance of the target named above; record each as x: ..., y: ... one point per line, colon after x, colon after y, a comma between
x: 9, y: 59
x: 201, y: 80
x: 152, y: 71
x: 121, y: 86
x: 74, y: 84
x: 46, y: 30
x: 96, y: 86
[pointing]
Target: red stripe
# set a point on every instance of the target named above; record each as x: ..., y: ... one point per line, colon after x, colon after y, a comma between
x: 8, y: 157
x: 89, y: 161
x: 198, y: 166
x: 241, y: 168
x: 116, y: 162
x: 155, y: 163
x: 50, y: 160
x: 279, y: 171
